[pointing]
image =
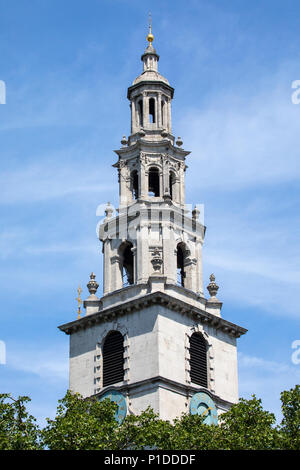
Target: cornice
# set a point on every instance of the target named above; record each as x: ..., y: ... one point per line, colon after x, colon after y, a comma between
x: 142, y: 143
x: 186, y: 390
x: 156, y: 298
x: 146, y: 83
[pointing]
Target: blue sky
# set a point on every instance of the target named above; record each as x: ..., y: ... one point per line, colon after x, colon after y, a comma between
x: 67, y: 65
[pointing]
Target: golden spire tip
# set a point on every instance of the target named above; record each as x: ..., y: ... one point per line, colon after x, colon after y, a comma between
x: 79, y: 290
x: 150, y: 36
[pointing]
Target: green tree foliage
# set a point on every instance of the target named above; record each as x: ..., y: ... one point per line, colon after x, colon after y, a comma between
x: 290, y: 425
x: 18, y: 429
x: 145, y: 431
x: 189, y: 432
x: 248, y: 426
x: 88, y: 424
x: 81, y: 424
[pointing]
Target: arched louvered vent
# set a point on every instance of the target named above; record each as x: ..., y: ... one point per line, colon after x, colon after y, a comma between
x: 113, y: 362
x: 198, y: 360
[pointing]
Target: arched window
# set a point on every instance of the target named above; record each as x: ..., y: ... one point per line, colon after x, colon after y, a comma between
x: 198, y: 360
x: 180, y: 264
x: 140, y: 110
x: 171, y: 183
x: 135, y: 184
x: 154, y: 182
x: 152, y: 110
x: 162, y: 112
x: 126, y: 256
x: 113, y: 360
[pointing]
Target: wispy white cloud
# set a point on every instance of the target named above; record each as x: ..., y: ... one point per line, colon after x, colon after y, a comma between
x: 242, y: 289
x: 255, y: 259
x: 49, y: 364
x: 61, y: 248
x: 19, y: 242
x: 68, y: 95
x: 258, y: 363
x: 240, y: 142
x: 266, y: 379
x: 47, y: 180
x: 264, y: 267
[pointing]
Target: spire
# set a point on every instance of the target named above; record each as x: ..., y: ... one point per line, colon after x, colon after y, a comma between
x: 150, y: 36
x: 150, y: 57
x: 150, y: 98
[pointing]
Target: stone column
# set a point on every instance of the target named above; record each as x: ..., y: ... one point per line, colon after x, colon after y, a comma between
x: 166, y: 177
x: 142, y: 253
x: 176, y: 189
x: 161, y: 183
x: 123, y: 183
x: 143, y: 179
x: 199, y: 269
x: 116, y: 271
x: 190, y: 281
x: 182, y: 185
x: 169, y: 116
x: 145, y: 111
x: 106, y: 266
x: 133, y: 117
x: 163, y: 115
x: 135, y: 267
x: 169, y: 255
x: 129, y: 187
x: 159, y: 124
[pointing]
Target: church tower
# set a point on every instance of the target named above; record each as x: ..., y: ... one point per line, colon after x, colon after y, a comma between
x: 153, y: 338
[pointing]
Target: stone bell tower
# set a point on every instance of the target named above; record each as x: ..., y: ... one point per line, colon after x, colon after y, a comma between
x: 153, y: 339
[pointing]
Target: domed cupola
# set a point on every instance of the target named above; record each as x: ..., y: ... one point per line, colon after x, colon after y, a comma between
x: 150, y: 98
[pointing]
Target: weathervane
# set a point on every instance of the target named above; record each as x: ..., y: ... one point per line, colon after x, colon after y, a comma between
x: 79, y: 290
x: 150, y: 36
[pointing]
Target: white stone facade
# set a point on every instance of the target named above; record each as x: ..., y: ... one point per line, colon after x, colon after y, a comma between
x: 156, y: 328
x: 155, y: 229
x: 152, y: 282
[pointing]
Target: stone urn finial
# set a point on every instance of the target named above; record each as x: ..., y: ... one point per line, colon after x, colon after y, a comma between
x: 124, y: 141
x: 109, y: 210
x: 179, y: 142
x: 212, y: 287
x: 92, y: 285
x: 195, y: 213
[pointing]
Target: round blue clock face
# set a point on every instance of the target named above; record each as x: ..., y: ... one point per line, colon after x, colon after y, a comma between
x: 202, y: 405
x: 120, y: 400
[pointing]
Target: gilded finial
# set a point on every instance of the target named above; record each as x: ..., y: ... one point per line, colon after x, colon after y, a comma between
x: 79, y: 290
x: 150, y: 36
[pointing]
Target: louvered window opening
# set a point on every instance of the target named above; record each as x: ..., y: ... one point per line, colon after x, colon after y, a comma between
x: 198, y: 360
x: 113, y: 361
